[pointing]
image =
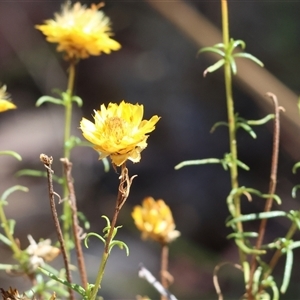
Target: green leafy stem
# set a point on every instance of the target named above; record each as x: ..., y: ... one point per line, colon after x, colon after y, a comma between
x: 227, y: 53
x: 87, y: 293
x: 245, y: 124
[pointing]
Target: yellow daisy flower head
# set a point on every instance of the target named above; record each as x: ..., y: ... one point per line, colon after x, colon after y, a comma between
x: 5, y: 101
x: 80, y: 31
x: 154, y: 219
x: 118, y: 131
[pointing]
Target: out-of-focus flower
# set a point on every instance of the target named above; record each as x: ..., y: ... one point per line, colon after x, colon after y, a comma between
x: 40, y: 252
x: 5, y: 101
x: 119, y: 131
x: 154, y: 219
x: 80, y: 31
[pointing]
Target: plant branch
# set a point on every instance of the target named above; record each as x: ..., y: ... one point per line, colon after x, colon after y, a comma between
x: 76, y: 228
x: 68, y: 121
x: 164, y: 267
x: 231, y: 121
x: 272, y: 184
x: 47, y: 161
x: 123, y: 193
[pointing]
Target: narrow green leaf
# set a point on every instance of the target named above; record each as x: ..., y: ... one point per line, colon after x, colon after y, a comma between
x: 239, y: 43
x: 232, y: 65
x: 37, y: 173
x: 262, y: 121
x: 211, y: 49
x: 248, y: 129
x: 240, y: 235
x: 294, y: 245
x: 120, y: 244
x: 13, y: 189
x: 78, y: 100
x: 295, y: 167
x: 256, y: 280
x: 75, y: 287
x: 249, y: 56
x: 50, y: 99
x: 217, y: 125
x: 242, y: 165
x: 294, y: 190
x: 257, y: 216
x: 93, y: 234
x: 197, y: 162
x: 105, y: 164
x: 5, y: 240
x: 214, y: 67
x: 11, y: 153
x: 287, y: 271
x: 248, y: 250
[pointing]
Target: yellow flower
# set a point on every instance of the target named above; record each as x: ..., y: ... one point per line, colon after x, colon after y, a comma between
x: 154, y: 219
x: 80, y: 31
x: 119, y: 131
x: 5, y: 102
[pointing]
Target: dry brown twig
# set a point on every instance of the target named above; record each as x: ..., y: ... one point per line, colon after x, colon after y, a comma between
x: 47, y: 161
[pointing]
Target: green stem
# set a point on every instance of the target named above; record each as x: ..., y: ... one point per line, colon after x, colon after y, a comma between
x: 123, y: 193
x: 68, y: 121
x: 231, y: 119
x: 4, y: 224
x: 105, y: 254
x: 68, y: 109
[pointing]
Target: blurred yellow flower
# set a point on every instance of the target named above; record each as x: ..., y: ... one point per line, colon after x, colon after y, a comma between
x: 80, y: 31
x: 154, y: 219
x: 119, y: 131
x: 5, y: 102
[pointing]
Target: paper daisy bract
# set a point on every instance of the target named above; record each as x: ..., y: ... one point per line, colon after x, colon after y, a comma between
x: 154, y: 219
x: 118, y: 131
x: 5, y: 102
x: 80, y: 31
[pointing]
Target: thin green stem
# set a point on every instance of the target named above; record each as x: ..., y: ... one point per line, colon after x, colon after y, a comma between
x: 68, y: 109
x: 124, y: 188
x: 4, y: 224
x: 231, y: 119
x: 106, y: 251
x: 68, y: 121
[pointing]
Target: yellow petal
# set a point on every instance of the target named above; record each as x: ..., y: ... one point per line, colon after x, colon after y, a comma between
x: 6, y: 105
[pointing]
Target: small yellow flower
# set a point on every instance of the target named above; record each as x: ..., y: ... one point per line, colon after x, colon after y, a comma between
x: 154, y: 219
x: 80, y: 31
x: 119, y: 131
x: 5, y: 102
